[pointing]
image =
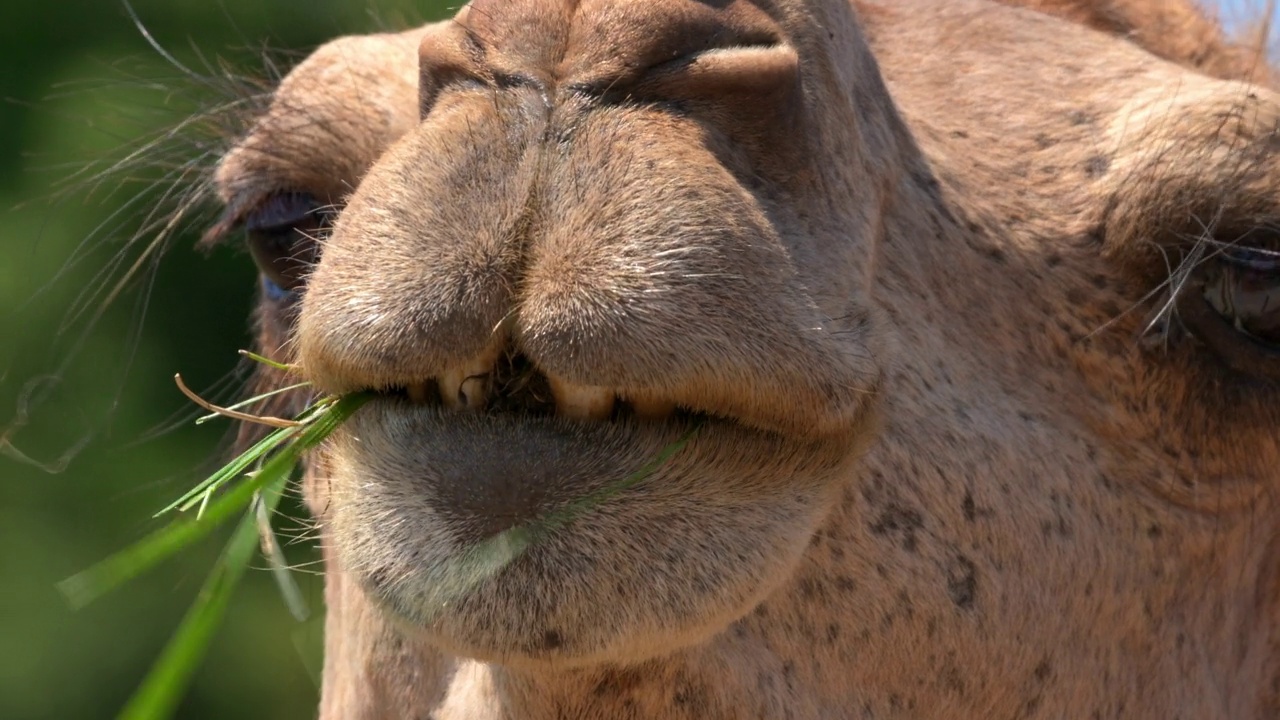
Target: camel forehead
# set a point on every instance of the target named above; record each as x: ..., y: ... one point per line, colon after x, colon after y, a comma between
x: 557, y: 41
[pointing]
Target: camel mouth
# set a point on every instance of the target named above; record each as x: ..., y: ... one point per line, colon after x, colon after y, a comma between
x: 491, y: 532
x: 512, y: 384
x: 518, y: 466
x: 518, y: 476
x: 1232, y: 304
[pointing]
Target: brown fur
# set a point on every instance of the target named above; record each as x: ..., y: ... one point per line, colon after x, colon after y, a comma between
x: 901, y: 253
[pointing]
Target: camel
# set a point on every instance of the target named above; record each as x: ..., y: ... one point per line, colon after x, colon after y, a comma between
x: 952, y: 322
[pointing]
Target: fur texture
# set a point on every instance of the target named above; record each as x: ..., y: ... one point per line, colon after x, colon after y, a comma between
x: 899, y: 255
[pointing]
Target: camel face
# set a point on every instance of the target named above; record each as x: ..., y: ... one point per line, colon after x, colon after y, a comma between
x: 911, y: 359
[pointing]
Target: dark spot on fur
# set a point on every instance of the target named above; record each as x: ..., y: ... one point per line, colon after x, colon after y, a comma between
x: 1060, y: 525
x: 551, y: 640
x: 1097, y: 166
x: 996, y: 255
x: 904, y: 601
x: 617, y: 683
x: 1044, y: 141
x: 1043, y: 670
x: 812, y: 589
x: 968, y: 507
x: 688, y: 695
x: 844, y: 583
x: 952, y: 680
x: 902, y: 520
x: 1079, y: 117
x: 1154, y: 531
x: 377, y: 579
x: 962, y: 582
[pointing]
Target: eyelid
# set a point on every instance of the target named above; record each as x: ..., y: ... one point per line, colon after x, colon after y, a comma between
x: 239, y: 213
x: 228, y: 222
x: 281, y: 210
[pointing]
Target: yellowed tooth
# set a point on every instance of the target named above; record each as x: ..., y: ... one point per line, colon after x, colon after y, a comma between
x: 467, y: 385
x: 652, y: 408
x: 581, y: 402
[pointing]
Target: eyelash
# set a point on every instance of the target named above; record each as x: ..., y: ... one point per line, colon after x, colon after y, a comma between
x: 281, y: 234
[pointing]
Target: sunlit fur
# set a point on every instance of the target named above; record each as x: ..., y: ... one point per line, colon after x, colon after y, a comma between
x: 902, y: 253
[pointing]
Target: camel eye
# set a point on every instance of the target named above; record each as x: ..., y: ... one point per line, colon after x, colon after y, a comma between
x: 1232, y: 304
x: 283, y: 235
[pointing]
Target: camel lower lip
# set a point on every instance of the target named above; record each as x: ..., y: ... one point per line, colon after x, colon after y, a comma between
x: 489, y: 532
x: 498, y: 471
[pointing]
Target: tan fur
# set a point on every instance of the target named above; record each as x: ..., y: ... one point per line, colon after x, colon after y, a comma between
x: 901, y: 253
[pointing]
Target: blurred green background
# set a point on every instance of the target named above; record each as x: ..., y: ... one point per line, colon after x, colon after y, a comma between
x: 81, y: 87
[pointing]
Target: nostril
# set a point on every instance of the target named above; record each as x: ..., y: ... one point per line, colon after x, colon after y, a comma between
x: 466, y: 385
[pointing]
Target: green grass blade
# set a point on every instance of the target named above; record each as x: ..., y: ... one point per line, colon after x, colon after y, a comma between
x: 85, y: 587
x: 559, y: 518
x: 336, y: 413
x: 229, y: 471
x: 268, y: 361
x: 279, y: 564
x: 255, y: 399
x: 160, y: 692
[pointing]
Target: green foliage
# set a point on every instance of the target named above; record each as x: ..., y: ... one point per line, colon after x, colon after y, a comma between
x: 81, y: 85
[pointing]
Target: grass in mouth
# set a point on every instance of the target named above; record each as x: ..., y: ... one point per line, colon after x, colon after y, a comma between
x: 251, y: 485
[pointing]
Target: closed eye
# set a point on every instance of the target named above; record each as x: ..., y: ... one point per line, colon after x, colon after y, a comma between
x: 1231, y: 303
x: 282, y: 233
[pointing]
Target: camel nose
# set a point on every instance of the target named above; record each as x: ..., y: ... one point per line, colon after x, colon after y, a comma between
x: 423, y: 278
